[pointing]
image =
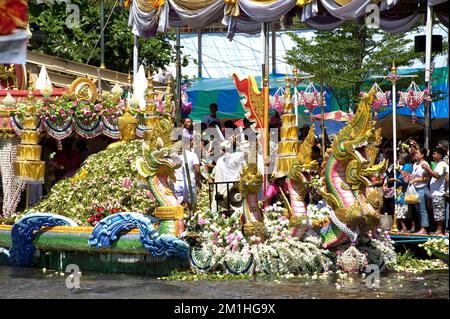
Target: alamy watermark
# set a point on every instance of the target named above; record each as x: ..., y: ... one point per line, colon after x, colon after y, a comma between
x: 373, y: 16
x: 373, y: 276
x: 72, y: 10
x: 210, y: 144
x: 73, y: 280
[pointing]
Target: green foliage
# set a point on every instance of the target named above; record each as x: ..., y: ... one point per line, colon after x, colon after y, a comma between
x: 52, y: 36
x: 346, y: 58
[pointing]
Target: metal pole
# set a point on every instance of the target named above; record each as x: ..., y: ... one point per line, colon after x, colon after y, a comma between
x: 428, y: 58
x: 274, y: 50
x: 102, y: 34
x: 394, y: 138
x: 199, y: 38
x: 266, y: 49
x: 394, y: 126
x: 178, y: 65
x: 135, y: 57
x: 266, y: 87
x: 322, y: 119
x: 263, y: 68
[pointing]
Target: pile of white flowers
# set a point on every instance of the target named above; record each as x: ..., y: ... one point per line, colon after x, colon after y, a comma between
x: 222, y: 241
x: 317, y: 214
x: 277, y: 252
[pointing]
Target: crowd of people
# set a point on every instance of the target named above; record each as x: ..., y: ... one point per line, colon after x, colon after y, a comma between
x: 421, y: 198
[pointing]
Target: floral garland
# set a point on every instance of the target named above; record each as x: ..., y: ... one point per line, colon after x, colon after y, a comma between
x: 381, y: 99
x: 412, y: 98
x: 60, y: 116
x: 12, y: 187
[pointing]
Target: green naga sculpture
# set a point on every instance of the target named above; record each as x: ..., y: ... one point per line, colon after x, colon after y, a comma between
x: 346, y: 168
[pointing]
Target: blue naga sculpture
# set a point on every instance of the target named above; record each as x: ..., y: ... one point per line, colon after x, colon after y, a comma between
x: 103, y: 235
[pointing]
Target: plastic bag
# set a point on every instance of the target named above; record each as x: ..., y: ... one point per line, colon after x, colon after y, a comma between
x: 411, y: 195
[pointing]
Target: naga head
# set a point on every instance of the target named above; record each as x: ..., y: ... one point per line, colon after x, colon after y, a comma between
x: 362, y: 167
x: 251, y: 180
x: 353, y: 140
x: 158, y: 158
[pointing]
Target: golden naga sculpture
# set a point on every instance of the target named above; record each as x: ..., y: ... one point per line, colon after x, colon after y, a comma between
x: 249, y: 186
x: 346, y: 170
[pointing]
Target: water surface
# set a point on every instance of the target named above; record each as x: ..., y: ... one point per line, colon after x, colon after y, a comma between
x: 33, y: 283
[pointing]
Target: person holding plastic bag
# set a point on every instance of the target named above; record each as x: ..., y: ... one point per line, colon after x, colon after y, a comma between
x: 420, y: 179
x: 402, y: 209
x: 437, y: 188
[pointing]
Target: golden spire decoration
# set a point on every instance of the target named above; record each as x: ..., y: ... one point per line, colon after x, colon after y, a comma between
x: 394, y: 68
x: 294, y: 72
x: 129, y: 78
x: 287, y: 96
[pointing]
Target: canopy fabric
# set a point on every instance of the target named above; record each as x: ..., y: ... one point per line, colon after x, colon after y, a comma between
x: 13, y: 48
x: 338, y: 116
x: 331, y: 127
x: 223, y: 92
x: 148, y: 17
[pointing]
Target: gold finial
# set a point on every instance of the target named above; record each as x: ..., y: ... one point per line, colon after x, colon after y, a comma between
x: 287, y: 96
x: 394, y: 68
x: 294, y: 72
x: 169, y: 85
x: 30, y: 81
x: 129, y: 77
x: 287, y: 79
x: 266, y: 80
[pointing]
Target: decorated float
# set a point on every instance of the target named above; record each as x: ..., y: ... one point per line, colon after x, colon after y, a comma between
x: 118, y: 213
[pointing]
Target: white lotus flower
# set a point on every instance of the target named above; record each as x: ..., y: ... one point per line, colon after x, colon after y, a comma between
x: 134, y: 102
x: 117, y: 90
x: 47, y: 91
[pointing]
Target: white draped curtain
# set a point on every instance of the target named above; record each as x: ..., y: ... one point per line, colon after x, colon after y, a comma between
x: 145, y: 19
